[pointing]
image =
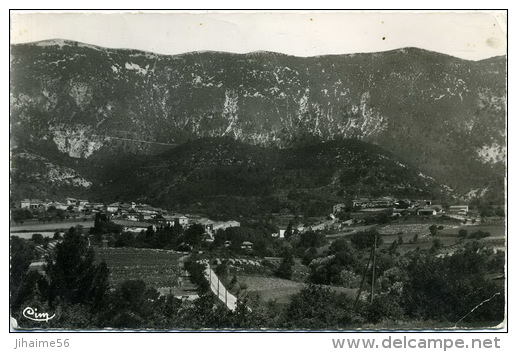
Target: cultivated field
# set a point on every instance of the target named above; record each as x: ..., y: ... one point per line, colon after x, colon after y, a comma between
x: 157, y: 268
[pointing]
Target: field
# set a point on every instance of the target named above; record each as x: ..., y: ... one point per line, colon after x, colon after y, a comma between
x: 280, y: 290
x: 496, y: 229
x: 448, y: 235
x: 407, y: 231
x: 28, y: 235
x: 270, y: 288
x: 52, y: 226
x: 157, y: 268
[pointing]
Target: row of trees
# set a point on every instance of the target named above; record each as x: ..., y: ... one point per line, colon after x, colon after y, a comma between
x: 177, y: 238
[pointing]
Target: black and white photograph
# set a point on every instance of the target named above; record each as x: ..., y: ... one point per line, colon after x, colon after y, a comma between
x: 258, y: 171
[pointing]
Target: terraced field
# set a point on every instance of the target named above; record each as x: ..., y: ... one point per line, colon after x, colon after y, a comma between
x: 157, y: 268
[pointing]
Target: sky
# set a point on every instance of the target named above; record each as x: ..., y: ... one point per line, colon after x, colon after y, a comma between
x: 468, y: 35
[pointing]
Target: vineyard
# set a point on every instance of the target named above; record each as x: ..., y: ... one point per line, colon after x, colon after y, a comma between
x: 157, y: 268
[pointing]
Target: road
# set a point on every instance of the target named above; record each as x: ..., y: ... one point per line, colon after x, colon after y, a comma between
x: 219, y: 290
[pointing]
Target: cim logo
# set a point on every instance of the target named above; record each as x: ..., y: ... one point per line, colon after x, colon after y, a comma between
x: 32, y: 314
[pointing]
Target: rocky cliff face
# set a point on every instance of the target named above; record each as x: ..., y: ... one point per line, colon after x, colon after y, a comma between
x: 72, y: 102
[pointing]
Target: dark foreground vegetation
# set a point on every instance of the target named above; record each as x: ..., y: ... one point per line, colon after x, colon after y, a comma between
x: 419, y: 286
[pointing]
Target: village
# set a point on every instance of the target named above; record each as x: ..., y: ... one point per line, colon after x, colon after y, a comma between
x: 250, y: 260
x: 139, y: 217
x: 131, y: 216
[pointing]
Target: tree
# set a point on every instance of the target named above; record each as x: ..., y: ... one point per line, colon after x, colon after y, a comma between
x: 72, y: 274
x: 437, y: 245
x: 332, y: 269
x: 288, y: 231
x: 132, y: 305
x: 311, y: 239
x: 500, y: 212
x: 366, y: 239
x: 285, y: 270
x: 37, y: 238
x: 194, y: 234
x: 462, y: 233
x: 22, y: 253
x: 309, y: 255
x: 393, y: 247
x: 98, y: 222
x: 316, y: 307
x: 19, y: 215
x: 433, y: 229
x: 125, y: 239
x: 221, y: 270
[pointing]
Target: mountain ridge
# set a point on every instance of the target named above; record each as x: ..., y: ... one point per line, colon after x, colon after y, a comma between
x: 70, y: 42
x: 444, y: 114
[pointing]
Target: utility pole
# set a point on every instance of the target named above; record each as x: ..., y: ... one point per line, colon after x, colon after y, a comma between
x: 364, y: 278
x: 373, y: 267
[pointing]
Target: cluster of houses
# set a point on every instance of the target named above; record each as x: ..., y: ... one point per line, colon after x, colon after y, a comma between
x: 402, y: 207
x: 362, y: 207
x: 70, y: 204
x: 131, y: 216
